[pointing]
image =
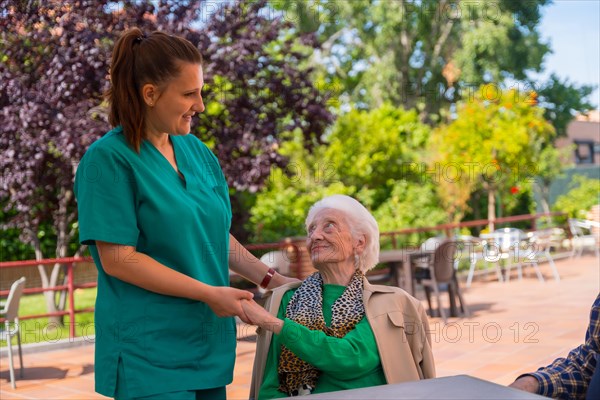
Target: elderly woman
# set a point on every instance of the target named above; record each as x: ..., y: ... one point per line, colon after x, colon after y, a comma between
x: 335, y: 331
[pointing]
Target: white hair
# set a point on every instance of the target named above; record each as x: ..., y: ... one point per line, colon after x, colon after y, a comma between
x: 359, y: 219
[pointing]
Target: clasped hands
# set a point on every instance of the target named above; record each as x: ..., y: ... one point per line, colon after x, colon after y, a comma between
x: 254, y: 314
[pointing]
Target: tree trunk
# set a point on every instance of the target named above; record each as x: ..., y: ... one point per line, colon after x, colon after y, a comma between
x: 59, y: 273
x: 545, y: 196
x: 51, y: 298
x: 491, y: 209
x: 49, y: 295
x: 61, y: 302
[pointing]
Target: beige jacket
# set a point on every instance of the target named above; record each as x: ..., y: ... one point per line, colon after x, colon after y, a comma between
x: 399, y: 324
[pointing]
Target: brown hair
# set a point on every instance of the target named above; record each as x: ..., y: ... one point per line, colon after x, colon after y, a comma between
x: 138, y: 59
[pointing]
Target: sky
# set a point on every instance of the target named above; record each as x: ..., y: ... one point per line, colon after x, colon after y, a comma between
x: 573, y: 29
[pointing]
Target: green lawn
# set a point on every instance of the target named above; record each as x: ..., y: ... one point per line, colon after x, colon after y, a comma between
x: 40, y: 330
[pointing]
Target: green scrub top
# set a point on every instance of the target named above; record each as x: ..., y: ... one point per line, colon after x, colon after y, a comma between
x: 345, y: 363
x: 164, y: 343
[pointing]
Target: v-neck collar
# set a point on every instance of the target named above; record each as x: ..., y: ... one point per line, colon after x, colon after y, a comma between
x: 178, y: 155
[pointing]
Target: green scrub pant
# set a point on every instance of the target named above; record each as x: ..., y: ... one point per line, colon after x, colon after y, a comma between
x: 206, y: 394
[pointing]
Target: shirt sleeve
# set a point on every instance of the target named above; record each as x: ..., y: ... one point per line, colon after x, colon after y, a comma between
x: 569, y: 378
x: 105, y: 192
x: 348, y: 357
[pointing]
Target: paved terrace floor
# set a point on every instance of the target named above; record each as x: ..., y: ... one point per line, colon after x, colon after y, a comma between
x: 514, y: 328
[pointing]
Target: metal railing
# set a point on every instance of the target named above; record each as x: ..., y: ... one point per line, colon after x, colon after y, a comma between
x: 70, y: 287
x: 448, y: 228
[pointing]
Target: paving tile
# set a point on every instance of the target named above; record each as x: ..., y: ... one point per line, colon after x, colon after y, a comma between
x: 44, y: 392
x: 237, y: 394
x: 4, y: 395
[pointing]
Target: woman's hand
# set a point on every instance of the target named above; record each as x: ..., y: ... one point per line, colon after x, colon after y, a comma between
x: 226, y: 301
x: 260, y: 317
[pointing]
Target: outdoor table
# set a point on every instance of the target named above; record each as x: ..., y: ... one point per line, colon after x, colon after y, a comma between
x: 516, y: 247
x: 459, y: 387
x: 401, y: 264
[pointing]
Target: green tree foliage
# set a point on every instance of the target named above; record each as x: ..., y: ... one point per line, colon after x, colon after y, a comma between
x: 551, y: 162
x: 562, y: 100
x: 431, y: 53
x: 370, y: 149
x: 422, y: 52
x: 410, y: 205
x: 281, y: 207
x: 368, y: 155
x: 584, y: 193
x: 494, y: 143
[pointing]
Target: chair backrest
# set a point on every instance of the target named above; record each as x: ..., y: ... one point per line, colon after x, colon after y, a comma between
x: 508, y: 237
x: 11, y: 307
x: 541, y: 235
x: 575, y: 230
x: 469, y: 239
x: 443, y: 261
x: 577, y: 227
x: 278, y: 259
x: 432, y: 243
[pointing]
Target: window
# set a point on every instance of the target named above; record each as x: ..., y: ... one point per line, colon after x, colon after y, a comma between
x: 585, y: 150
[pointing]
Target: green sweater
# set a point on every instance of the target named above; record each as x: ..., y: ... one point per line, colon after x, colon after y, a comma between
x: 347, y: 363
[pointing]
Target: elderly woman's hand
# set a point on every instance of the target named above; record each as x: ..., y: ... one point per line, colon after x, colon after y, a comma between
x: 260, y: 317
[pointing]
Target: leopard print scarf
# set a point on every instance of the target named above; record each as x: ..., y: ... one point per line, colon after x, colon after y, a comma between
x: 297, y: 377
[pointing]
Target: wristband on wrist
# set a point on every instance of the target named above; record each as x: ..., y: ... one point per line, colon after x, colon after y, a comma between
x: 267, y: 278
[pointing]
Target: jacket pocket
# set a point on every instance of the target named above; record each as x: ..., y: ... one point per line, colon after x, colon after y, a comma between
x: 409, y: 327
x: 396, y: 318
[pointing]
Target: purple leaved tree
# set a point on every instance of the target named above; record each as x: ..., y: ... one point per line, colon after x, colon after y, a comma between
x: 53, y: 68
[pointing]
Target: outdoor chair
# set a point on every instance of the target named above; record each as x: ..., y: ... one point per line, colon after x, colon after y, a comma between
x: 10, y: 312
x: 432, y: 243
x: 442, y: 276
x: 421, y: 260
x: 583, y: 236
x: 507, y: 243
x: 383, y: 276
x: 540, y: 243
x: 476, y: 248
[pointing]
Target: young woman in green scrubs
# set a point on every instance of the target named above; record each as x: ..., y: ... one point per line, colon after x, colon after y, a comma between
x: 154, y: 209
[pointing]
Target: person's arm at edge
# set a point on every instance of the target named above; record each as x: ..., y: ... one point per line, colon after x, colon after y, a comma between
x: 131, y: 266
x: 244, y: 263
x: 570, y: 374
x: 527, y: 383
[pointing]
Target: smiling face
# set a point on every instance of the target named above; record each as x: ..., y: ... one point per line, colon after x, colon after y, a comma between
x: 330, y: 239
x: 171, y: 106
